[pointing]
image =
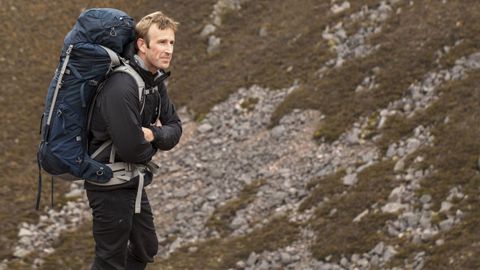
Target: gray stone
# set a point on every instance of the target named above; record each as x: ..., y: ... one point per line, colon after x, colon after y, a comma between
x: 394, y: 207
x: 417, y: 239
x: 180, y: 193
x: 264, y: 265
x: 278, y: 131
x: 355, y: 257
x: 389, y: 253
x: 238, y: 221
x: 263, y: 32
x: 446, y: 206
x: 361, y: 216
x: 350, y: 179
x: 428, y: 234
x: 74, y: 193
x: 375, y: 260
x: 426, y: 198
x: 25, y: 232
x: 391, y: 150
x: 412, y: 219
x: 213, y: 195
x: 353, y: 136
x: 213, y: 44
x: 252, y: 259
x: 392, y: 231
x: 240, y: 265
x: 446, y: 225
x: 439, y: 242
x: 399, y: 165
x: 206, y: 127
x: 378, y: 249
x: 396, y: 194
x: 363, y: 263
x: 420, y: 265
x: 286, y: 258
x: 21, y: 252
x: 208, y: 30
x: 217, y: 173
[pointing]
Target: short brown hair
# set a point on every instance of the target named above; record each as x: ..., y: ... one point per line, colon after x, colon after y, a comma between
x: 158, y: 18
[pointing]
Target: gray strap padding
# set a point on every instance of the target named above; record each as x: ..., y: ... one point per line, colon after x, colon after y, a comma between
x: 153, y: 168
x: 112, y: 154
x: 140, y: 83
x: 115, y: 60
x: 59, y: 83
x: 138, y: 200
x: 101, y: 148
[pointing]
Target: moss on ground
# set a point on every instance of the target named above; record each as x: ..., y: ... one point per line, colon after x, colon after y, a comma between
x: 224, y: 253
x: 337, y: 234
x: 223, y: 215
x: 323, y: 188
x: 79, y: 241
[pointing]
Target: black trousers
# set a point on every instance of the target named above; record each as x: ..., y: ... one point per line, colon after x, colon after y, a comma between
x: 123, y: 240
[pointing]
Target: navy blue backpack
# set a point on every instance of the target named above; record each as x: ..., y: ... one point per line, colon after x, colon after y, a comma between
x: 92, y: 49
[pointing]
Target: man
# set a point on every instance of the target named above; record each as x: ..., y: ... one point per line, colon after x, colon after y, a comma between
x: 125, y: 239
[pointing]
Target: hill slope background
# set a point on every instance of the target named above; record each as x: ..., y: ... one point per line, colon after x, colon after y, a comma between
x: 318, y: 135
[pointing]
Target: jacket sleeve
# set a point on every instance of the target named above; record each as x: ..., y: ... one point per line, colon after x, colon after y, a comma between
x: 120, y: 109
x: 168, y: 135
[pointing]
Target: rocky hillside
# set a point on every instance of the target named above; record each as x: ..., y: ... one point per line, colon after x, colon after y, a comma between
x: 317, y: 135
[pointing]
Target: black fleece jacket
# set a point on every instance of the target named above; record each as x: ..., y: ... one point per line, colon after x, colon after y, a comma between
x: 116, y: 116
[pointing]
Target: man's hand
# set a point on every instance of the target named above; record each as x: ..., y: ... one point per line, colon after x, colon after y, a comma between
x: 148, y: 134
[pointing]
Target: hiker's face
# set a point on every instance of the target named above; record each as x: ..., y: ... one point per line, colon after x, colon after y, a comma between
x: 158, y: 52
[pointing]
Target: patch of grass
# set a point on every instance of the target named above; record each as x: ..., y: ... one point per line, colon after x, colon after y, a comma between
x: 223, y: 215
x: 225, y: 252
x: 326, y: 186
x: 337, y: 234
x: 74, y: 250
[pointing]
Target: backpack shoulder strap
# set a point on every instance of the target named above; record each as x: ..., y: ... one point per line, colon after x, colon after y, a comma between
x: 126, y: 68
x: 115, y: 60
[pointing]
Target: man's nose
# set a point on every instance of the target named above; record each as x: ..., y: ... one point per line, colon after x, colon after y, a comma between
x: 169, y: 49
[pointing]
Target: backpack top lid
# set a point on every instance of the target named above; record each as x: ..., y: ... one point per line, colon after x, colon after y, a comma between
x: 108, y: 27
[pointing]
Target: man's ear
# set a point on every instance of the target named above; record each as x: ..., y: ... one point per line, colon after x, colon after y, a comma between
x: 141, y: 45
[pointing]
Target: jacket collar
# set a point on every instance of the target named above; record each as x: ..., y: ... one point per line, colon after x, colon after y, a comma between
x: 149, y: 78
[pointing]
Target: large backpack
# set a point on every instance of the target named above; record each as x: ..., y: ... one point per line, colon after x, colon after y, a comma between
x: 92, y: 50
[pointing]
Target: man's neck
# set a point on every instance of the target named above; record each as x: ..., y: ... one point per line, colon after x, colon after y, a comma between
x: 142, y: 65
